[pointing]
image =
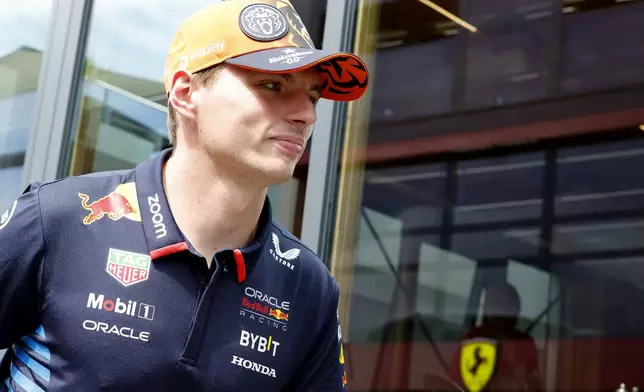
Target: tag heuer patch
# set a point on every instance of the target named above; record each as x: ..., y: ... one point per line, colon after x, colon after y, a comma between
x: 128, y: 267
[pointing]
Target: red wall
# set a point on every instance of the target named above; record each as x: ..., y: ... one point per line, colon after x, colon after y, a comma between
x: 589, y: 364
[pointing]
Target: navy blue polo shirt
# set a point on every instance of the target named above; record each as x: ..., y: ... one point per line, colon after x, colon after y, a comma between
x: 99, y: 290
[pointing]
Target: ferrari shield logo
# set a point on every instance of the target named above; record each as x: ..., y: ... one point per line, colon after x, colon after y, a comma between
x: 478, y: 361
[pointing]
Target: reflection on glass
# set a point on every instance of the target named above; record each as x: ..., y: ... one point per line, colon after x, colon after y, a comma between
x: 377, y: 257
x: 445, y: 236
x: 11, y: 180
x: 445, y: 280
x: 537, y: 250
x: 21, y: 53
x: 426, y: 282
x: 536, y: 289
x: 384, y: 185
x: 122, y: 117
x: 600, y: 179
x: 592, y: 61
x: 287, y: 202
x: 117, y: 129
x: 598, y: 236
x: 499, y: 189
x: 509, y: 61
x: 421, y: 288
x: 496, y: 244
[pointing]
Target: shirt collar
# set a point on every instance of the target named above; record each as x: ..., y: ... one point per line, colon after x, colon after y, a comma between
x: 164, y: 237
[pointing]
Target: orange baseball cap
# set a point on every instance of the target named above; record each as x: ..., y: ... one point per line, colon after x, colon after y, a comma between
x: 261, y: 35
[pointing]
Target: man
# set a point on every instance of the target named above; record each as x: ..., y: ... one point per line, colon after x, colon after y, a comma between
x: 173, y: 275
x: 515, y: 366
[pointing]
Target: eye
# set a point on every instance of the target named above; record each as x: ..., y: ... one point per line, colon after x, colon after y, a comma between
x: 274, y: 86
x: 314, y: 99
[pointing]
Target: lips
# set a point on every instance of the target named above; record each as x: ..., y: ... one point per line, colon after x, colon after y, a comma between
x: 290, y: 139
x: 291, y: 144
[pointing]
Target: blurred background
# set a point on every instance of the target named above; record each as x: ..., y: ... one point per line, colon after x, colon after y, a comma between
x: 500, y: 145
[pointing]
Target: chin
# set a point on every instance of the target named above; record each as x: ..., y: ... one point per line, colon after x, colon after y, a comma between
x: 280, y: 177
x: 276, y: 174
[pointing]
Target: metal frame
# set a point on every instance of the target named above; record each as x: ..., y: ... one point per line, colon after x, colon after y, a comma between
x: 55, y: 98
x: 57, y: 78
x: 319, y: 202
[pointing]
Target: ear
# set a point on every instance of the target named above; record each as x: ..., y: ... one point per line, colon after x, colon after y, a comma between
x: 181, y: 94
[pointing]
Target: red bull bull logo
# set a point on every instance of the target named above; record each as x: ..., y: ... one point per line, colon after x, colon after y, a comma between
x: 265, y: 313
x: 278, y: 314
x: 118, y: 204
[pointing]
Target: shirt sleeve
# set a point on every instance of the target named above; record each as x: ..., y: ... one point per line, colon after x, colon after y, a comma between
x: 323, y: 369
x: 21, y: 254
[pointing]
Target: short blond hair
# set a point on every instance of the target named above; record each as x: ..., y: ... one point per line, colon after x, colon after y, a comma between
x: 201, y: 78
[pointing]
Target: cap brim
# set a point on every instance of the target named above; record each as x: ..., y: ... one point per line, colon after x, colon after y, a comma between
x: 345, y: 74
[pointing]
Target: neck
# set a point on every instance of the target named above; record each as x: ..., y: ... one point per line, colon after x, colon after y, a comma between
x: 214, y: 209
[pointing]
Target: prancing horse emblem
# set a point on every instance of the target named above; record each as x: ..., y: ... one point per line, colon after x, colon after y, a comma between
x: 478, y: 362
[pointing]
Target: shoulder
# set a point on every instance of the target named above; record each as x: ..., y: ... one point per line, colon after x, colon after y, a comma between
x: 58, y: 200
x: 311, y: 268
x: 36, y: 189
x: 87, y: 182
x: 96, y: 180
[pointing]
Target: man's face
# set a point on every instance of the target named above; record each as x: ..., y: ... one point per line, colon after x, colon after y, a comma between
x: 257, y: 124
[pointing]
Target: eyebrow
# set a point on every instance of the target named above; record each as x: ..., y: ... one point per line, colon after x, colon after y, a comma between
x: 290, y: 79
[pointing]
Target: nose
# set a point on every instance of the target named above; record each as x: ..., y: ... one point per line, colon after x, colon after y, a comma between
x: 300, y: 110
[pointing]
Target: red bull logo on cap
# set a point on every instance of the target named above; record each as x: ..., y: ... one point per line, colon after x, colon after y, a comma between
x: 118, y: 204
